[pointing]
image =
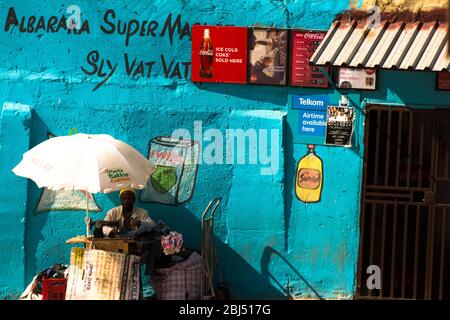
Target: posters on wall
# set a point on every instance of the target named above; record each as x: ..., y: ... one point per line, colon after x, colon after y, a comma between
x: 364, y: 79
x: 303, y: 45
x: 312, y: 116
x: 318, y: 122
x: 340, y: 126
x: 255, y: 55
x: 268, y: 51
x: 219, y: 54
x: 176, y: 162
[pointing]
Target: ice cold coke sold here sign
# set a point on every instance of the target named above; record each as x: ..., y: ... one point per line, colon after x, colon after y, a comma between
x: 311, y: 114
x: 219, y: 54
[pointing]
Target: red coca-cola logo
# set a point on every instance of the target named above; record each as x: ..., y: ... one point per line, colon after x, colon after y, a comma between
x: 314, y: 36
x: 206, y: 53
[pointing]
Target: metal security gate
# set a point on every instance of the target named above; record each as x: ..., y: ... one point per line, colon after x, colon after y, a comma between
x: 405, y: 214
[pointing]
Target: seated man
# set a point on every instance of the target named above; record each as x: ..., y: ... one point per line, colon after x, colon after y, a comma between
x: 128, y: 216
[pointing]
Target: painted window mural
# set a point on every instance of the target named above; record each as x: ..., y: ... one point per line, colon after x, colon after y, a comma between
x: 176, y: 162
x: 65, y: 201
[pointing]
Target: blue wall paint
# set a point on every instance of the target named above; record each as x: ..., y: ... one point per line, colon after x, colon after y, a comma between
x: 14, y: 141
x: 268, y: 242
x: 323, y: 238
x: 415, y: 89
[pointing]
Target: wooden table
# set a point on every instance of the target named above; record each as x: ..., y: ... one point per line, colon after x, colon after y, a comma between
x: 120, y: 245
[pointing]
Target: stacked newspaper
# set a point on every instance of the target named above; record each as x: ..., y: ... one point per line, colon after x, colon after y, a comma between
x: 102, y: 275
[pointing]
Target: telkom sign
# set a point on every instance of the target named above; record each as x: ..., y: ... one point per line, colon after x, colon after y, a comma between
x: 312, y: 114
x: 313, y: 102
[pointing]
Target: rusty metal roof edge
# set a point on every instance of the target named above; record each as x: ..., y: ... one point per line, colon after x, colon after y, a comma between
x: 344, y: 41
x: 437, y: 14
x: 438, y: 53
x: 433, y: 46
x: 358, y: 46
x: 405, y: 18
x: 408, y: 46
x: 325, y: 43
x: 425, y: 46
x: 376, y: 43
x: 392, y: 44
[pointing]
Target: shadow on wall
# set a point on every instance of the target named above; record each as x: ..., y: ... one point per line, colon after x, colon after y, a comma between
x: 290, y: 166
x: 266, y: 274
x: 244, y: 281
x: 243, y: 278
x: 34, y: 223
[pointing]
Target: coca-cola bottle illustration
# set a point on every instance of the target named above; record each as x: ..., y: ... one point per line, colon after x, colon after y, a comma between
x: 206, y: 56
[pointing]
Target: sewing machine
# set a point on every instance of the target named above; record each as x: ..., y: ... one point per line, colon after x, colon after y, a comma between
x: 99, y: 242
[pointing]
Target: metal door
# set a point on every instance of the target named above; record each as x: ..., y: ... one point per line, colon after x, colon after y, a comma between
x: 404, y: 225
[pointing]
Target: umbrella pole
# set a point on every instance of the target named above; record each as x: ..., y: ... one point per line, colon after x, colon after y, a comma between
x: 87, y: 214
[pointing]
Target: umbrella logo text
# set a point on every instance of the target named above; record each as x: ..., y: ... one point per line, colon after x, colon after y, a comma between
x: 42, y: 164
x: 116, y: 175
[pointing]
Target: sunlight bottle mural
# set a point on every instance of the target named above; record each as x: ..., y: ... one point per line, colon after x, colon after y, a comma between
x: 308, y: 183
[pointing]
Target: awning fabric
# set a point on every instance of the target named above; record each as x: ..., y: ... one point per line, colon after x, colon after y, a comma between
x: 405, y: 43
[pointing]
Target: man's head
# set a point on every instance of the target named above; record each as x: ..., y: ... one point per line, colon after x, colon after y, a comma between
x: 127, y: 198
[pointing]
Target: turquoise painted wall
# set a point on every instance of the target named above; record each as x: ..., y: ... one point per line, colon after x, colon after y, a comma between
x: 270, y: 245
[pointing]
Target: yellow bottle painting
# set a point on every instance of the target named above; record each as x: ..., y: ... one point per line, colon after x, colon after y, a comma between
x: 308, y: 183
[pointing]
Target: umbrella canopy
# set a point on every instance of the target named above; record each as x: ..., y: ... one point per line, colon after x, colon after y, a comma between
x: 93, y: 163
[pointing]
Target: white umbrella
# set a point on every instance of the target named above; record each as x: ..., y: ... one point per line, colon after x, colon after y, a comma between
x: 92, y: 163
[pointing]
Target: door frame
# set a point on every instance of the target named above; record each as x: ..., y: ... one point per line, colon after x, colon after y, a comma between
x: 432, y: 205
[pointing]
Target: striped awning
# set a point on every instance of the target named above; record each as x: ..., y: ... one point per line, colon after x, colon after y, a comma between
x: 391, y: 44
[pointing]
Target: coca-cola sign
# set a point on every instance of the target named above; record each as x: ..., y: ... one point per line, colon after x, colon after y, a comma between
x: 314, y: 36
x: 206, y: 52
x: 219, y: 54
x: 304, y: 44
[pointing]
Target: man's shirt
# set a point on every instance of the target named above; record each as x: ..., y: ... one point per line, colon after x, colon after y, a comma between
x: 115, y: 214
